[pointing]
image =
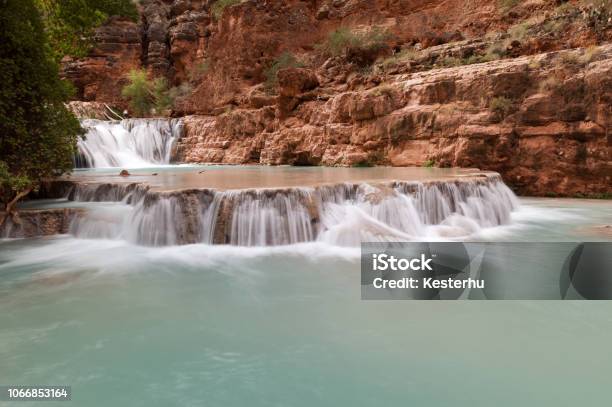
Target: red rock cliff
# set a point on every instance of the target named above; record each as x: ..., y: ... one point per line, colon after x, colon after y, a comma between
x: 524, y: 90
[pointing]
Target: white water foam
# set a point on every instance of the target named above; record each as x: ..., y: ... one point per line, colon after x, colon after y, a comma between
x: 341, y: 215
x: 129, y: 143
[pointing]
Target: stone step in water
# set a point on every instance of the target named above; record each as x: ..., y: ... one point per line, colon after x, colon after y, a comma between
x: 343, y: 214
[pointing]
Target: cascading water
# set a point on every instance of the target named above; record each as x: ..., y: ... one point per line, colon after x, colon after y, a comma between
x: 129, y: 143
x: 344, y: 214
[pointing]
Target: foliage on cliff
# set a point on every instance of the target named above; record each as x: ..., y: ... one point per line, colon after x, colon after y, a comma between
x: 148, y: 96
x: 361, y: 48
x: 220, y: 5
x: 38, y: 133
x: 285, y: 60
x: 70, y: 24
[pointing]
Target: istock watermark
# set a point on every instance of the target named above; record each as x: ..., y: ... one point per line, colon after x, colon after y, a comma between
x: 385, y: 262
x: 486, y: 271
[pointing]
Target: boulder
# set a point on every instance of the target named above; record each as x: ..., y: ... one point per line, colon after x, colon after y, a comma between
x: 294, y: 81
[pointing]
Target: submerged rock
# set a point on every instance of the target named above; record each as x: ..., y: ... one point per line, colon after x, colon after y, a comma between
x: 40, y: 222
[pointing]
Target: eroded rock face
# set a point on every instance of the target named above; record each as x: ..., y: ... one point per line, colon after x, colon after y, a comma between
x: 539, y: 118
x: 551, y: 139
x: 295, y: 81
x: 180, y: 39
x: 168, y: 41
x: 155, y: 25
x: 101, y: 76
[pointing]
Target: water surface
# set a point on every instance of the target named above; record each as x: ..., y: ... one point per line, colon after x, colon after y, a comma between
x: 231, y: 326
x: 224, y: 177
x: 214, y: 325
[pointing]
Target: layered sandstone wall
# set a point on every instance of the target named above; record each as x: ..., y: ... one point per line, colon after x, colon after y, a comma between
x: 101, y: 76
x: 222, y: 56
x: 552, y: 139
x: 539, y: 114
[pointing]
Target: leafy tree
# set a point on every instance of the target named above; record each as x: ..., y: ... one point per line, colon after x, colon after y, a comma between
x: 146, y: 95
x: 138, y: 92
x: 162, y: 97
x: 37, y: 132
x: 70, y: 24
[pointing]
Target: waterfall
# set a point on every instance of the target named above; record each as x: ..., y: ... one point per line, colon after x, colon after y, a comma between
x: 260, y: 218
x: 128, y: 143
x: 344, y: 214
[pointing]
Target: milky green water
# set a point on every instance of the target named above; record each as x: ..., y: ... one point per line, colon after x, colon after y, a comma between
x: 200, y: 325
x: 227, y: 177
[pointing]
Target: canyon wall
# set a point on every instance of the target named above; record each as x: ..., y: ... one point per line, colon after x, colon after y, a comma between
x: 523, y: 90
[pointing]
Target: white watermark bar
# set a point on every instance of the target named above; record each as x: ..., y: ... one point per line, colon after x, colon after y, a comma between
x: 486, y: 271
x: 35, y: 393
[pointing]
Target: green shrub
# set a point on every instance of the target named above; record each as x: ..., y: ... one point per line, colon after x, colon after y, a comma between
x: 501, y: 106
x: 285, y: 60
x: 473, y: 59
x: 519, y: 32
x: 451, y: 62
x: 342, y: 40
x: 148, y: 96
x: 597, y: 14
x: 408, y: 54
x: 498, y: 49
x: 551, y: 84
x: 138, y: 92
x: 338, y: 41
x: 374, y: 39
x: 429, y: 164
x: 162, y: 98
x: 220, y: 5
x: 495, y: 51
x: 554, y: 26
